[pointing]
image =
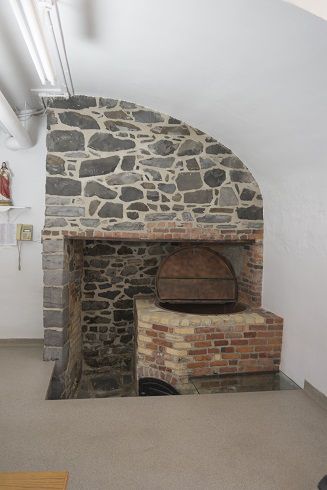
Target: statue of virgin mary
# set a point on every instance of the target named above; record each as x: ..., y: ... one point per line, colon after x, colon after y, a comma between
x: 5, y: 199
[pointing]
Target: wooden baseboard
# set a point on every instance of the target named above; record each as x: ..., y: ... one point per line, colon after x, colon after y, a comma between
x: 49, y: 480
x: 315, y: 394
x: 21, y: 342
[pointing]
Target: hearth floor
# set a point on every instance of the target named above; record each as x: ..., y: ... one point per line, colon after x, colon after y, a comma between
x: 105, y: 385
x: 243, y: 383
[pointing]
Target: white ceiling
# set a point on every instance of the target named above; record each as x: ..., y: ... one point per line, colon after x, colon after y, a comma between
x: 249, y: 72
x: 315, y: 7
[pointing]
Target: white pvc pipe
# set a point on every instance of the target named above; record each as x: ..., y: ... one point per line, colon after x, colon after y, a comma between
x: 19, y: 138
x: 27, y: 38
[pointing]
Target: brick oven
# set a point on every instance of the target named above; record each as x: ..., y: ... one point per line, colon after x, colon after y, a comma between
x: 126, y: 189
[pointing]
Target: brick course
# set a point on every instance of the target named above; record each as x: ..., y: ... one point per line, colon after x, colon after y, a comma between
x: 256, y: 348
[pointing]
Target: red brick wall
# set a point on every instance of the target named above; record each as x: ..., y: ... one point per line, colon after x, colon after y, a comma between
x: 180, y: 346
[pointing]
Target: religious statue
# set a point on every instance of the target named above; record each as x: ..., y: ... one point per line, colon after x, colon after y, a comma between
x: 5, y: 199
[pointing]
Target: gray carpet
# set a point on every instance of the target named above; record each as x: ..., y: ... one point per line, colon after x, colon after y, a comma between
x: 249, y: 441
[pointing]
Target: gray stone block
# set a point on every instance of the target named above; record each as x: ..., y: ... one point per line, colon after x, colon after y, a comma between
x: 187, y: 181
x: 76, y: 154
x: 250, y: 213
x: 129, y: 194
x: 99, y: 263
x: 90, y: 223
x: 206, y: 163
x: 60, y: 355
x: 107, y: 103
x: 76, y: 102
x: 99, y: 166
x: 198, y: 197
x: 122, y: 115
x: 167, y: 188
x: 163, y: 147
x: 128, y: 162
x: 239, y: 176
x: 247, y: 195
x: 55, y: 223
x: 65, y: 211
x: 81, y: 121
x: 123, y: 178
x: 107, y: 142
x: 127, y: 226
x: 180, y: 130
x: 192, y: 164
x: 138, y: 206
x: 55, y: 337
x: 53, y: 246
x: 214, y: 177
x: 93, y: 206
x: 127, y: 105
x: 61, y: 186
x: 217, y: 149
x: 159, y: 162
x: 56, y: 318
x: 160, y: 216
x: 147, y: 116
x: 99, y: 249
x: 156, y: 176
x: 52, y: 353
x: 120, y: 126
x: 99, y: 190
x: 190, y: 147
x: 52, y: 261
x: 111, y: 210
x: 227, y: 197
x: 214, y: 218
x: 55, y: 297
x: 51, y: 119
x: 55, y: 165
x: 95, y: 305
x: 57, y: 201
x: 232, y: 162
x: 58, y: 277
x: 60, y: 141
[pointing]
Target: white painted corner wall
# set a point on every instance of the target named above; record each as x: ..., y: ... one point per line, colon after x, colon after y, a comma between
x: 21, y: 294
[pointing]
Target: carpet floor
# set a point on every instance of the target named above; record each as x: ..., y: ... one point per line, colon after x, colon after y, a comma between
x: 234, y: 441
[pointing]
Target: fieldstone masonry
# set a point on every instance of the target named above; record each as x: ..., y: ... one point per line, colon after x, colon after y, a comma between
x: 120, y: 172
x: 113, y: 165
x: 114, y: 274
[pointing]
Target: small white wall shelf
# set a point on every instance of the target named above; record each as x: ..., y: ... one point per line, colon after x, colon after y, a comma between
x: 8, y: 212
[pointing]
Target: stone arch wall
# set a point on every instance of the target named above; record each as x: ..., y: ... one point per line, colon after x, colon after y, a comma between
x: 117, y: 171
x: 113, y: 165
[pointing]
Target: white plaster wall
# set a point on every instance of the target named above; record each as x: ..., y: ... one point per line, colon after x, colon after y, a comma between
x: 295, y: 265
x: 21, y: 291
x: 253, y: 74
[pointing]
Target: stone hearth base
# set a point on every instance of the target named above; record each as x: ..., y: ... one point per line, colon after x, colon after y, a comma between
x: 176, y: 346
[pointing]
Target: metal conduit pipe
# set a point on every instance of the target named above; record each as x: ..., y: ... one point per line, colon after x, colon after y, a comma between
x: 19, y: 138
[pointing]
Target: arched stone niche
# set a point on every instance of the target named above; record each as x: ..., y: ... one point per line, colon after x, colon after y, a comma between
x: 120, y: 172
x: 116, y: 166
